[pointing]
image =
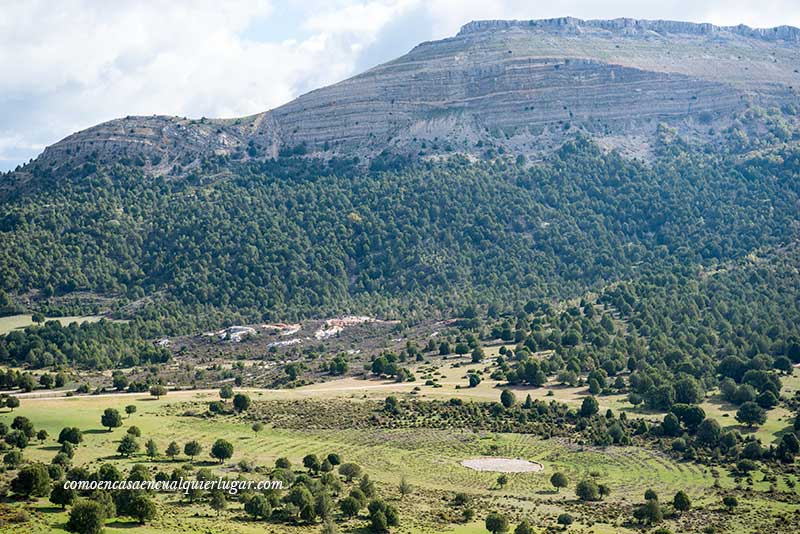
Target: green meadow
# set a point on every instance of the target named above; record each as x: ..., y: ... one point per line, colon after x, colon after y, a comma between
x: 429, y: 459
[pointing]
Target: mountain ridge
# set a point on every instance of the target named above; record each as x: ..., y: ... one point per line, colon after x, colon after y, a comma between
x: 520, y: 87
x: 782, y: 32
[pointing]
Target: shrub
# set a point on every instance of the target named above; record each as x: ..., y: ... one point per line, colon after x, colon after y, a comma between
x: 565, y: 519
x: 587, y: 490
x: 496, y: 523
x: 86, y: 517
x: 32, y: 481
x: 258, y: 507
x: 111, y: 419
x: 350, y: 471
x: 681, y: 501
x: 559, y: 480
x: 222, y: 450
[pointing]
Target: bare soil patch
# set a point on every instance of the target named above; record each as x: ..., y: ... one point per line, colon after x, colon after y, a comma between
x: 502, y: 465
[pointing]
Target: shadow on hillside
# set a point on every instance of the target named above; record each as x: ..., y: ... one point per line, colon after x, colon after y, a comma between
x: 724, y: 405
x: 50, y: 509
x: 96, y: 431
x: 123, y: 524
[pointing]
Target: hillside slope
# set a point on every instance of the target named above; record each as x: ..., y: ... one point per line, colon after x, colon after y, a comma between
x: 276, y: 216
x: 298, y: 238
x: 521, y: 86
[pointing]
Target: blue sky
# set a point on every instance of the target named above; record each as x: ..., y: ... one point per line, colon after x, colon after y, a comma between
x: 70, y: 64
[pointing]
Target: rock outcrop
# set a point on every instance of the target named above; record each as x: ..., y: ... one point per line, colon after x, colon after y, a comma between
x: 501, y: 85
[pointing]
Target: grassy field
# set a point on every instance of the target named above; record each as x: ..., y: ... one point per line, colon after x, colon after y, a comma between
x: 16, y: 322
x: 448, y: 379
x: 429, y: 459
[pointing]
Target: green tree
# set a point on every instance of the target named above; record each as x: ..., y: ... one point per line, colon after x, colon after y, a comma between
x: 46, y: 380
x: 751, y: 414
x: 301, y: 497
x: 151, y: 449
x: 730, y: 502
x: 350, y: 471
x: 708, y: 432
x: 128, y: 446
x: 32, y: 481
x: 594, y: 386
x: 141, y: 507
x: 559, y: 480
x: 17, y: 439
x: 689, y: 414
x: 649, y: 513
x: 681, y: 501
x: 158, y: 391
x: 241, y: 402
x: 192, y: 449
x: 24, y: 425
x: 222, y: 450
x: 671, y: 425
x: 12, y: 459
x: 62, y: 496
x: 507, y: 398
x: 119, y: 381
x: 496, y: 523
x: 350, y: 507
x: 258, y: 507
x: 524, y: 527
x: 587, y: 490
x: 564, y: 520
x: 323, y: 505
x: 367, y: 486
x: 589, y: 407
x: 86, y: 517
x: 218, y: 501
x: 12, y: 402
x: 130, y: 409
x: 391, y: 405
x: 226, y: 392
x: 70, y: 434
x: 311, y: 462
x: 378, y: 522
x: 688, y: 391
x: 173, y: 450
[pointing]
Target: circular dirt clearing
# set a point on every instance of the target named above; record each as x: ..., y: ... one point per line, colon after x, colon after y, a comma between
x: 503, y: 465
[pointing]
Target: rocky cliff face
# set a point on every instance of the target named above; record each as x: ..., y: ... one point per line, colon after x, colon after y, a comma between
x: 509, y: 85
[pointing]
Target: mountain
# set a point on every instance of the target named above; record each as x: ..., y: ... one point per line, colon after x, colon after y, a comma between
x: 476, y: 171
x: 521, y: 86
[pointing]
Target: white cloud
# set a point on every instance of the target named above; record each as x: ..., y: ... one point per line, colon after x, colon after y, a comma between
x: 361, y: 18
x: 71, y: 64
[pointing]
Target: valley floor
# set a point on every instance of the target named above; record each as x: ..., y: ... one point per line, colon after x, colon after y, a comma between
x: 429, y: 459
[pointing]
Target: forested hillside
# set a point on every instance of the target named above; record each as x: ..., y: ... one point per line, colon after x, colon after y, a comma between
x: 299, y: 238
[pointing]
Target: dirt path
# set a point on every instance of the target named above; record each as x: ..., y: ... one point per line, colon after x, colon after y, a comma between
x: 345, y: 384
